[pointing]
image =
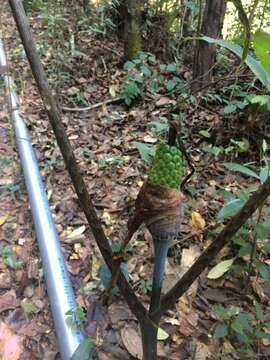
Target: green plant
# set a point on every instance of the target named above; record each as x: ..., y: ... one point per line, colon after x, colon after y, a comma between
x: 159, y: 126
x: 28, y: 307
x: 52, y: 163
x: 33, y: 5
x: 103, y: 23
x: 145, y: 286
x: 76, y: 317
x: 241, y: 328
x: 251, y: 241
x: 85, y: 351
x: 10, y: 189
x: 105, y: 274
x: 262, y: 73
x: 146, y: 151
x: 142, y: 75
x: 9, y: 257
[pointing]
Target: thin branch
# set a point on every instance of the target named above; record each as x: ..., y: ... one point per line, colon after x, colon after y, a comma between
x: 255, y: 201
x: 77, y: 180
x: 91, y: 107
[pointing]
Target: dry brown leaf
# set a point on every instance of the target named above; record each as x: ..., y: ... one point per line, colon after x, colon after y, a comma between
x: 8, y: 301
x: 77, y: 232
x: 118, y: 312
x: 189, y: 256
x: 149, y: 139
x: 202, y: 351
x: 11, y: 345
x: 165, y: 101
x: 132, y: 342
x: 197, y: 220
x: 188, y: 323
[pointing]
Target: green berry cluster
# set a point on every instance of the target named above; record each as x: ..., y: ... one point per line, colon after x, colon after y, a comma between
x: 167, y: 169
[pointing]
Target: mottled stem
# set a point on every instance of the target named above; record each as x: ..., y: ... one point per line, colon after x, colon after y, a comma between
x: 161, y: 250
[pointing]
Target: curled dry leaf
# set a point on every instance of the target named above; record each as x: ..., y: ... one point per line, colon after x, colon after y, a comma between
x: 160, y: 209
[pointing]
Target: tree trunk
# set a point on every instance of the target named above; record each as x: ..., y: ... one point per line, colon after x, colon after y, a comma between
x: 205, y: 54
x: 132, y: 35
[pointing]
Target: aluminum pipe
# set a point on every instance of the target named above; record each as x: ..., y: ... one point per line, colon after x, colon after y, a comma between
x: 57, y: 279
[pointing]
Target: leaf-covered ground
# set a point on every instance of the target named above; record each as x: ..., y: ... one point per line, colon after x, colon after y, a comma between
x: 103, y: 140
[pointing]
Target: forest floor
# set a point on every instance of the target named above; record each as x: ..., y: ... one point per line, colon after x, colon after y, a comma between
x: 103, y: 141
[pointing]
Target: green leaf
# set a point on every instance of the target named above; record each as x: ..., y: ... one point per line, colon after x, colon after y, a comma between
x: 231, y: 208
x: 162, y: 67
x: 254, y: 65
x: 266, y: 248
x: 146, y: 151
x: 220, y: 269
x: 105, y: 275
x: 259, y: 312
x: 262, y: 335
x: 237, y: 326
x: 153, y: 87
x: 264, y: 173
x: 229, y: 108
x: 138, y: 78
x: 260, y: 99
x: 205, y: 133
x: 70, y: 322
x: 261, y: 43
x: 171, y: 67
x: 145, y: 70
x: 264, y: 143
x: 219, y: 309
x: 215, y: 150
x: 221, y: 331
x: 162, y: 334
x: 241, y: 168
x: 129, y: 65
x: 261, y: 231
x: 84, y: 351
x: 245, y: 250
x: 263, y: 270
x: 170, y: 85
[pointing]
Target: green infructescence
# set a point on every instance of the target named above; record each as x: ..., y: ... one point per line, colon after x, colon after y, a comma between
x: 167, y: 169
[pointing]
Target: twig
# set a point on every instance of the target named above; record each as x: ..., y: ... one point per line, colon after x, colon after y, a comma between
x: 91, y: 107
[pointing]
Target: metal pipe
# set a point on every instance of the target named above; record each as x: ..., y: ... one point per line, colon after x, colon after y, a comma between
x: 57, y: 279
